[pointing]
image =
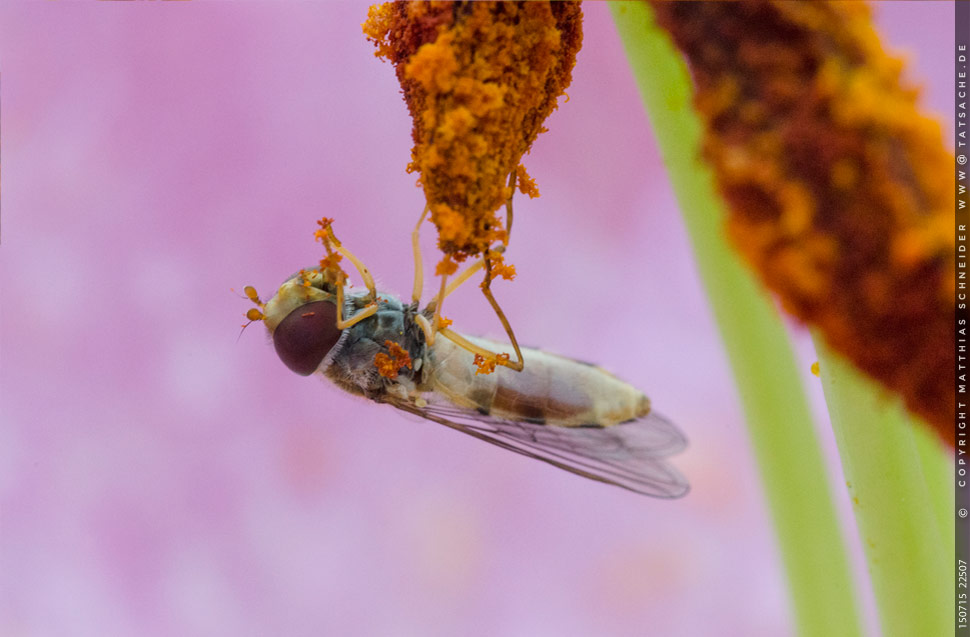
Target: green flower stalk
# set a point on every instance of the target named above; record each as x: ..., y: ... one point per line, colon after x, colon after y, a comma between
x: 832, y: 181
x: 836, y: 183
x: 790, y: 460
x: 897, y: 523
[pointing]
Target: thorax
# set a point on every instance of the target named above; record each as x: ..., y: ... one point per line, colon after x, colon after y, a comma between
x: 353, y: 364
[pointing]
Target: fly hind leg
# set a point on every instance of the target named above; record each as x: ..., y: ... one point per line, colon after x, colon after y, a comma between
x: 486, y: 286
x: 519, y: 364
x: 488, y: 358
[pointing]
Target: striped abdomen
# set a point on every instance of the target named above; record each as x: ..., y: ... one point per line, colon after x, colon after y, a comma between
x: 551, y: 389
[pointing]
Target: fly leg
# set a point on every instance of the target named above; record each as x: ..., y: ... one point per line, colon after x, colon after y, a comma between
x: 466, y: 274
x: 486, y: 262
x: 458, y: 339
x: 418, y: 262
x: 367, y: 312
x: 486, y: 355
x: 486, y: 286
x: 431, y: 327
x: 446, y: 289
x: 508, y: 208
x: 486, y: 289
x: 330, y: 240
x: 422, y: 322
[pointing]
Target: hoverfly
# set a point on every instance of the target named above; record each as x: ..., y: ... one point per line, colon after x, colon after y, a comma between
x: 570, y: 414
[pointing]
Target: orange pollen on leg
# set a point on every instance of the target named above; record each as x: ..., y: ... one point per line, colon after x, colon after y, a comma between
x: 324, y: 231
x: 526, y: 184
x: 330, y: 264
x: 331, y: 261
x: 485, y: 365
x: 507, y: 272
x: 498, y: 268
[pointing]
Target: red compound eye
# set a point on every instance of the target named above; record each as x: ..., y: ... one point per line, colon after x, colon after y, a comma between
x: 305, y: 336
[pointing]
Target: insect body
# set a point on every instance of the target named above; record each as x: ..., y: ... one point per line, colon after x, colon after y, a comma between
x: 567, y: 413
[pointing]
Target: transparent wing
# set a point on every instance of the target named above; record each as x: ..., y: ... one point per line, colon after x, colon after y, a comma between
x: 629, y: 455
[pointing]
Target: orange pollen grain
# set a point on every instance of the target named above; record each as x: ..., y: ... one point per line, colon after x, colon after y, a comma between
x: 389, y: 365
x: 525, y: 183
x: 485, y: 365
x: 506, y: 271
x: 446, y: 266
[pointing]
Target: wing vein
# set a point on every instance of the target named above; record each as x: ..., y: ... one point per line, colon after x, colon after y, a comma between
x: 629, y: 455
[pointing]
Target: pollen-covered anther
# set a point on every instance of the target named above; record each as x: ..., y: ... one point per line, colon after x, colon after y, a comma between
x: 834, y: 181
x: 479, y: 78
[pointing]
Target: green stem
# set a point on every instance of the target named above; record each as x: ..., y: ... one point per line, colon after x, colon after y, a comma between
x: 937, y: 462
x: 895, y: 512
x: 779, y: 422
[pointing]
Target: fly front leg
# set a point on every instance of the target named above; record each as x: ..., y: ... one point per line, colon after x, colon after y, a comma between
x: 367, y: 312
x: 330, y: 241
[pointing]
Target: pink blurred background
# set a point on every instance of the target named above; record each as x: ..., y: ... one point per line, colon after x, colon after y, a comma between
x: 160, y: 477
